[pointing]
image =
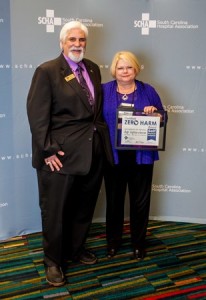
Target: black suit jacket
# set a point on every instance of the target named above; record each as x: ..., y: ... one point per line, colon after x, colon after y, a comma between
x: 61, y: 118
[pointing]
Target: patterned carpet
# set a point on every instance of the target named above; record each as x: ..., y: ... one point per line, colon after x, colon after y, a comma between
x: 174, y: 268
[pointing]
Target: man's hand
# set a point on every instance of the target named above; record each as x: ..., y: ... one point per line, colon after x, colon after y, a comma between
x: 53, y: 161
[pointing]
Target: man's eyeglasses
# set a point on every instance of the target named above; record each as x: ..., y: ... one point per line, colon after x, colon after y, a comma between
x: 73, y: 40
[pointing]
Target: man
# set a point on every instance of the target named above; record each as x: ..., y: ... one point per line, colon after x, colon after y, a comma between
x: 69, y: 141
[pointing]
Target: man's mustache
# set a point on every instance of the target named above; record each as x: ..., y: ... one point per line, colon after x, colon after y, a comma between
x: 76, y: 48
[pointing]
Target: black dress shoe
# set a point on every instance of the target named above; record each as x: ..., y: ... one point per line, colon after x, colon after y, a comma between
x: 111, y: 252
x: 86, y: 257
x: 54, y: 276
x: 139, y: 253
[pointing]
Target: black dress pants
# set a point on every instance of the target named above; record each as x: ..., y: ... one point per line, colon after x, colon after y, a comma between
x: 138, y: 179
x: 67, y: 205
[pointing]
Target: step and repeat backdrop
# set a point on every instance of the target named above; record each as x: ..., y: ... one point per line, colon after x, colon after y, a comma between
x: 168, y: 37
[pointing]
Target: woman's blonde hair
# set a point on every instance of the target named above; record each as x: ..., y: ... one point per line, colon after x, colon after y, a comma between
x: 127, y: 56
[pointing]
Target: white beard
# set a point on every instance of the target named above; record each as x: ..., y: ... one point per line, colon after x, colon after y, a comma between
x: 76, y: 58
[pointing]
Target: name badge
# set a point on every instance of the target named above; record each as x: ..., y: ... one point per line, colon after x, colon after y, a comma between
x: 69, y: 77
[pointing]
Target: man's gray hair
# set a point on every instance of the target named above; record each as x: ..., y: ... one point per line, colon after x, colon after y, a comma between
x: 69, y: 26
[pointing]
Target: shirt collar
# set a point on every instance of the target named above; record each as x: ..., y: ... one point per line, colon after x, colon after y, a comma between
x: 73, y: 65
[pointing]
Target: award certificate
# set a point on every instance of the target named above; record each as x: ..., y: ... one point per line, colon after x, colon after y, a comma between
x: 139, y: 131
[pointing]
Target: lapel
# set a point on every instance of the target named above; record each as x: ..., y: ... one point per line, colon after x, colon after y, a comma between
x: 69, y: 77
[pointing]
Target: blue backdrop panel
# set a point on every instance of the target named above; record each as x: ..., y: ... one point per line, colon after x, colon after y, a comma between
x: 167, y: 36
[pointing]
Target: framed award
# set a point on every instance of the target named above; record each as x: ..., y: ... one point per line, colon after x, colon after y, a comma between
x: 136, y: 130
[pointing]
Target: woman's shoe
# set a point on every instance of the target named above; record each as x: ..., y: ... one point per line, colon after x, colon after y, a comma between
x: 111, y: 252
x: 139, y: 253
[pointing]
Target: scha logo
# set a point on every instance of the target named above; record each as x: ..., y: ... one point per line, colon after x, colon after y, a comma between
x: 145, y: 24
x: 50, y: 21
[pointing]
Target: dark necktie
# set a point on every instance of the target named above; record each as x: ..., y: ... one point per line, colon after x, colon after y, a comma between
x: 84, y: 85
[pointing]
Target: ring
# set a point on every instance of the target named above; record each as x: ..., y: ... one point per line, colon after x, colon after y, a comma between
x: 48, y: 162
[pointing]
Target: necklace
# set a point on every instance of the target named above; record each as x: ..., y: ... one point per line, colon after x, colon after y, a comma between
x: 125, y: 96
x: 130, y: 97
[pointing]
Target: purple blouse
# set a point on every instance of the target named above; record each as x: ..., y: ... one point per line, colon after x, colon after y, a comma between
x: 144, y: 95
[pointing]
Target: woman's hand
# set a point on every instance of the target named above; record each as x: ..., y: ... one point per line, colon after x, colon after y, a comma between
x: 149, y: 109
x: 53, y: 161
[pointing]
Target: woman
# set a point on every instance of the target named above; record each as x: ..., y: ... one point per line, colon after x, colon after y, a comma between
x: 131, y: 167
